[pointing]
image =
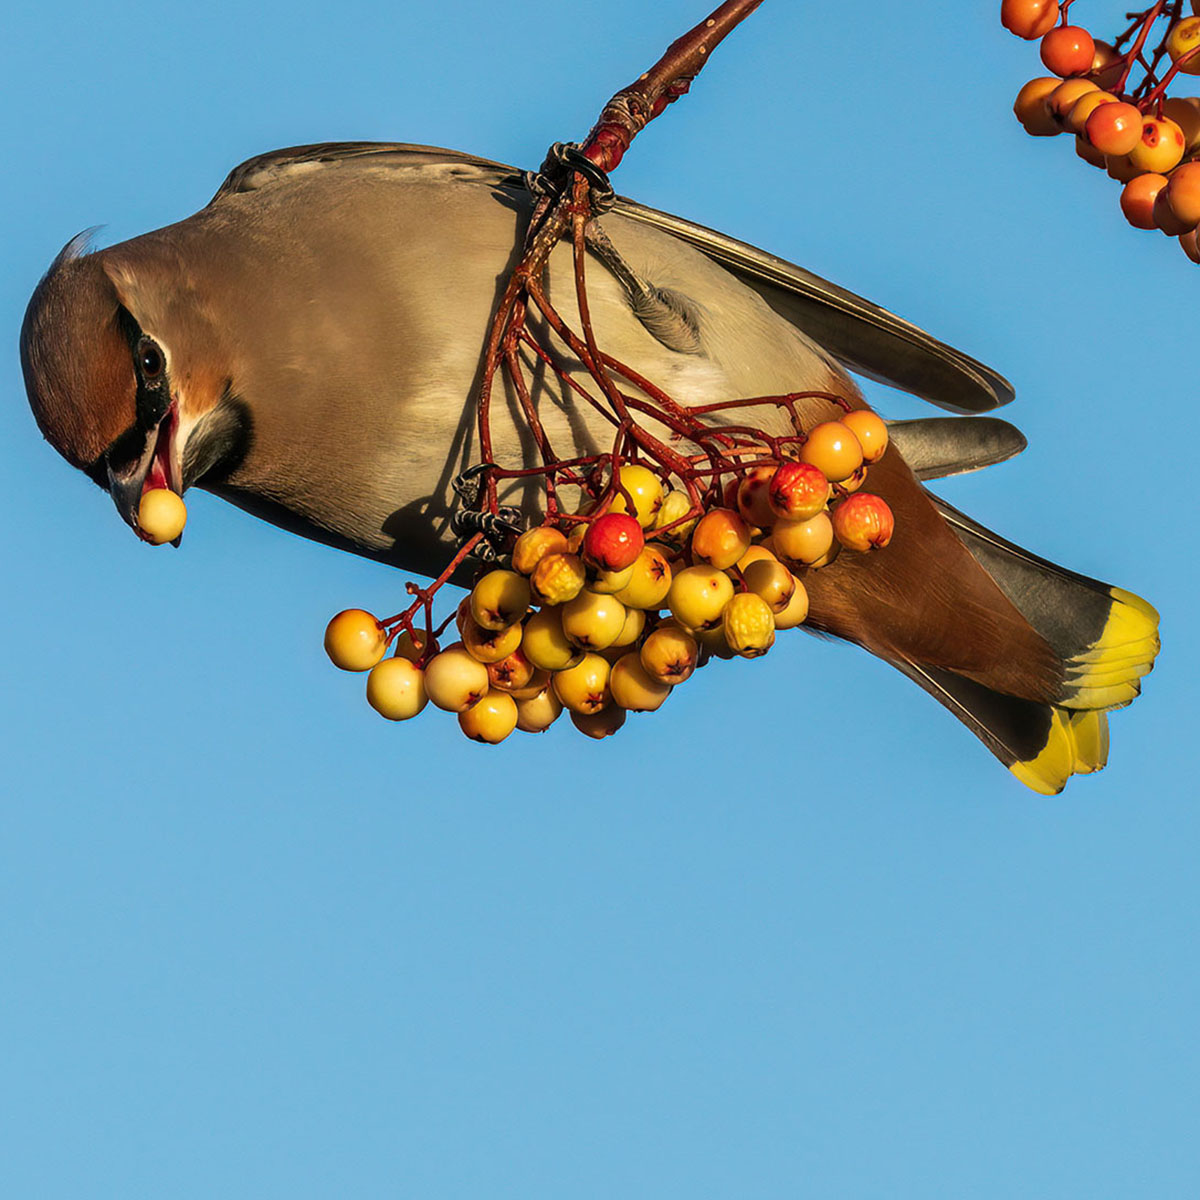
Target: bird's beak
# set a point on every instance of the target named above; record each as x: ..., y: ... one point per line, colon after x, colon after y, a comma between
x: 158, y: 467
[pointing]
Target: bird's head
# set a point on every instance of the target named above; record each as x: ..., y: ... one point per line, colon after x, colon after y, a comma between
x: 109, y: 353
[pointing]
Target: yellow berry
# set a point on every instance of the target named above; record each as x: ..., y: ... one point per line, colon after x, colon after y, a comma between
x: 670, y: 654
x: 651, y: 580
x: 796, y: 612
x: 162, y: 515
x: 489, y: 645
x: 454, y: 680
x: 600, y: 724
x: 545, y: 644
x: 534, y: 544
x: 593, y: 621
x: 396, y: 689
x: 538, y: 713
x: 804, y: 541
x: 1183, y: 39
x: 749, y: 625
x: 633, y: 688
x: 771, y: 580
x: 698, y: 595
x: 646, y: 491
x: 500, y: 599
x: 635, y: 622
x: 584, y: 688
x: 355, y: 640
x: 490, y: 719
x: 558, y: 578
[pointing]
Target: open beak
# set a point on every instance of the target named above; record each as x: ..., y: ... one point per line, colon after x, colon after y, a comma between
x: 159, y: 467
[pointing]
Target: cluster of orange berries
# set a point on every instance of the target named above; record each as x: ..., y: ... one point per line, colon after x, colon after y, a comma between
x: 1152, y: 146
x: 609, y: 618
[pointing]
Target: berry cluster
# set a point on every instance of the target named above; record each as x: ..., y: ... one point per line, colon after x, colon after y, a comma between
x: 590, y: 616
x: 1144, y: 139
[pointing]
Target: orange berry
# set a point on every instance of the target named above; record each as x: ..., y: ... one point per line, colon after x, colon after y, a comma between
x: 1183, y: 193
x: 1068, y: 50
x: 871, y: 431
x: 1160, y: 147
x: 1166, y: 220
x: 1029, y: 19
x: 833, y: 449
x: 1030, y: 108
x: 1114, y: 129
x: 1083, y: 108
x: 1137, y: 199
x: 720, y: 538
x: 863, y: 522
x: 1064, y: 97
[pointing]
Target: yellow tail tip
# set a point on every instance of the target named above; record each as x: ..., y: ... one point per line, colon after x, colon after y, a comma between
x: 1106, y: 674
x: 1076, y: 744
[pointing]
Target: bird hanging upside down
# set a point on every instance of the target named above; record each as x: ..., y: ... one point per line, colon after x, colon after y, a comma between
x: 308, y: 347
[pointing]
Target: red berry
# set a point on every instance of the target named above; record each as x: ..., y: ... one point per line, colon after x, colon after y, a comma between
x: 613, y: 542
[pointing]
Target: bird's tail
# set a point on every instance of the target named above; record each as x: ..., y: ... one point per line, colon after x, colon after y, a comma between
x: 1105, y: 637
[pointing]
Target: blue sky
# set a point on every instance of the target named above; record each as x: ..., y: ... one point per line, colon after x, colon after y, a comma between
x: 257, y: 942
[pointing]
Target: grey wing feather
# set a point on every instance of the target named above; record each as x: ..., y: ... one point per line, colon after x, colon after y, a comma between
x: 861, y: 335
x: 936, y: 447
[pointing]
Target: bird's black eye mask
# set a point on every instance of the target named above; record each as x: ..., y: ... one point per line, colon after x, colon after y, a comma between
x: 153, y: 400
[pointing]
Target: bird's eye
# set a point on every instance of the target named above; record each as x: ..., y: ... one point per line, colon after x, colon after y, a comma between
x: 151, y: 359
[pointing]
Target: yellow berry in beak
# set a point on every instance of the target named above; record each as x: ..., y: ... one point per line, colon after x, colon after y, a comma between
x: 162, y: 515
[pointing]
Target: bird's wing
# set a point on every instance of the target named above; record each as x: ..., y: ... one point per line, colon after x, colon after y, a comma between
x: 862, y: 336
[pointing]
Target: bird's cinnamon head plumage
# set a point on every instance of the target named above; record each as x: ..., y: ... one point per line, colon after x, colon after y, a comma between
x: 78, y: 366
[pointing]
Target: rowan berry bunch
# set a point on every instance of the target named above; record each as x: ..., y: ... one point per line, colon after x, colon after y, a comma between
x: 1112, y: 96
x: 603, y: 612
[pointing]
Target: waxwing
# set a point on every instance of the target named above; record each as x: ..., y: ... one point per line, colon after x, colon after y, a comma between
x: 307, y: 346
